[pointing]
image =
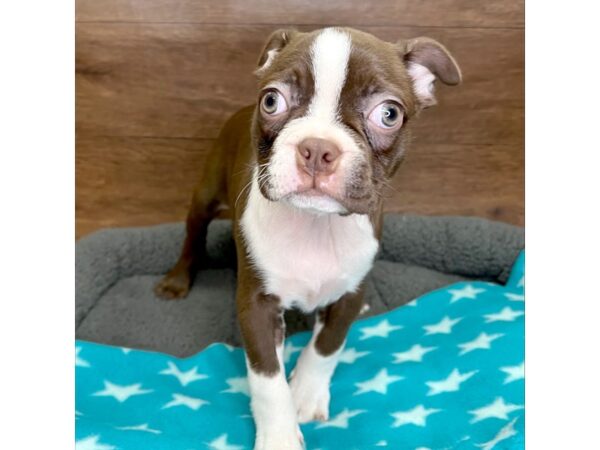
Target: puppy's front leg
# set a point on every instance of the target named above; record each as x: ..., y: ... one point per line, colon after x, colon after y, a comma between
x: 207, y: 200
x: 262, y: 327
x: 315, y: 366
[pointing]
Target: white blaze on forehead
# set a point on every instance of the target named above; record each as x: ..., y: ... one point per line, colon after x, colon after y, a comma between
x: 330, y: 53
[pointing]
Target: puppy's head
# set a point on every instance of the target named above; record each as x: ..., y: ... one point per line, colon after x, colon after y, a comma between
x: 332, y: 116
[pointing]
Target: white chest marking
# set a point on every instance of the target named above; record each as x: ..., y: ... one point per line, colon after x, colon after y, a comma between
x: 308, y: 260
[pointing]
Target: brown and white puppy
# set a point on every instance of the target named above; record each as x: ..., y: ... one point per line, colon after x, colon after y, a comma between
x: 304, y: 170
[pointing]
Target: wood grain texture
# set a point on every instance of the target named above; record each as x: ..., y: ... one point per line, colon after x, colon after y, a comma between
x: 470, y: 180
x: 464, y: 13
x: 184, y: 81
x: 135, y: 181
x: 156, y: 79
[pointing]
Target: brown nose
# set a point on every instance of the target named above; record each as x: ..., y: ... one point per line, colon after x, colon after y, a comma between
x: 315, y: 155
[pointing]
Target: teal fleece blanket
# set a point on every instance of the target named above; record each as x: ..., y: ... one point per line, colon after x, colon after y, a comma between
x: 445, y: 371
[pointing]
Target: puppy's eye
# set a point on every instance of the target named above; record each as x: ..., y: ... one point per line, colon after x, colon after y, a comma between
x: 273, y: 103
x: 387, y: 115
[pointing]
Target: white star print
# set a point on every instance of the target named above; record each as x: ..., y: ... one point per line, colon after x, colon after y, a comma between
x: 482, y: 341
x: 521, y: 282
x: 142, y: 427
x: 220, y: 443
x: 91, y: 443
x: 349, y: 356
x: 121, y: 393
x: 467, y: 292
x: 450, y: 384
x: 382, y: 329
x: 497, y: 409
x: 125, y: 350
x: 514, y: 297
x: 379, y: 383
x: 184, y: 400
x: 412, y: 303
x: 381, y: 444
x: 442, y: 327
x: 415, y: 353
x: 506, y: 315
x: 514, y: 372
x: 237, y: 385
x: 504, y: 433
x: 341, y: 420
x: 78, y: 361
x: 289, y: 350
x: 416, y: 416
x: 184, y: 378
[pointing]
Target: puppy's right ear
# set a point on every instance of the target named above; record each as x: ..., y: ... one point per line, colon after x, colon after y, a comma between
x: 276, y: 42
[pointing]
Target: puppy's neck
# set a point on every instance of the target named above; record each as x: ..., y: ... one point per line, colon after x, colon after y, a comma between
x: 307, y: 259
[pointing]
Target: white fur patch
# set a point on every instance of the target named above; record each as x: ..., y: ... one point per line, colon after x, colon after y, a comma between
x: 330, y: 54
x: 423, y: 81
x: 273, y: 411
x: 307, y: 259
x: 310, y: 381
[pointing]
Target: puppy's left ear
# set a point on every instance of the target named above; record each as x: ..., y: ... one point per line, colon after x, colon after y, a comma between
x: 275, y: 43
x: 427, y: 60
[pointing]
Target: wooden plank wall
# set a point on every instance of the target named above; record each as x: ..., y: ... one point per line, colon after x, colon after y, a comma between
x: 156, y: 78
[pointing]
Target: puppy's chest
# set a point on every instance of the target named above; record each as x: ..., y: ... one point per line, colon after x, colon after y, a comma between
x: 307, y: 260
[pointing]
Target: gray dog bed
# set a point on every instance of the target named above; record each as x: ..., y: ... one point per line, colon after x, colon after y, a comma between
x: 116, y: 270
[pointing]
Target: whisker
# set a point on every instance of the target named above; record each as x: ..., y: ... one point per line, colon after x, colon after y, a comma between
x: 250, y: 166
x: 261, y: 178
x: 241, y: 192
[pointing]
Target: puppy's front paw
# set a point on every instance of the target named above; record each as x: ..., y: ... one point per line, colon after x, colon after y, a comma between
x: 175, y: 285
x: 279, y: 439
x: 311, y: 396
